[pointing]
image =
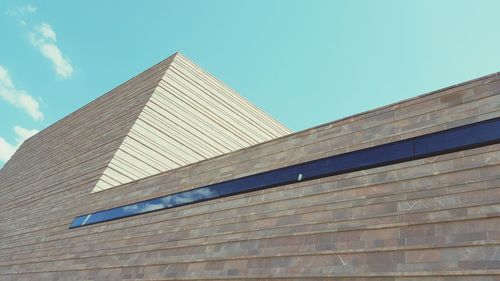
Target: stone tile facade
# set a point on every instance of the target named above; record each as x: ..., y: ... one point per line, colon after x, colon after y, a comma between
x: 434, y: 219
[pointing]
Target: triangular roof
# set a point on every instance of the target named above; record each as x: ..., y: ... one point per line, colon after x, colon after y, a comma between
x: 171, y: 115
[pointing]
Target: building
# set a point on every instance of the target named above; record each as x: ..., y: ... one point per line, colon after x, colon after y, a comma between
x: 173, y: 176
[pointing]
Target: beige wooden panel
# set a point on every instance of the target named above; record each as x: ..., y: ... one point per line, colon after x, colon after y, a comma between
x: 190, y: 117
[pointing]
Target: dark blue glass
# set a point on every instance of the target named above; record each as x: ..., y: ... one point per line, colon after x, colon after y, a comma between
x: 465, y: 137
x: 356, y: 160
x: 469, y: 136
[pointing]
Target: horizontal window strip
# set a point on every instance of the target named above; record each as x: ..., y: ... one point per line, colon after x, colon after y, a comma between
x: 461, y: 138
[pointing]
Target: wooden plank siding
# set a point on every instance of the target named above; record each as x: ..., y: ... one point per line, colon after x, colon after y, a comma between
x: 436, y: 218
x: 77, y: 144
x: 191, y: 116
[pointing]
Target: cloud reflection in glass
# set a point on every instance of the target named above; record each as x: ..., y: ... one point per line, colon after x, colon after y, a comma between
x: 165, y: 202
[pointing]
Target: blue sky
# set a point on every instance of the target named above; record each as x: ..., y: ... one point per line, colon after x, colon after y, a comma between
x: 304, y: 62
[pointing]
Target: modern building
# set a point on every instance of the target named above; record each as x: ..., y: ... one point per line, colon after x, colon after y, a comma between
x: 174, y: 176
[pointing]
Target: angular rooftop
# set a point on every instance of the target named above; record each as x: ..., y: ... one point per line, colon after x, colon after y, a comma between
x: 171, y: 115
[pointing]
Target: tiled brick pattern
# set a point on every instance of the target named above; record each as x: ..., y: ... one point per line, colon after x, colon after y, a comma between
x: 434, y: 219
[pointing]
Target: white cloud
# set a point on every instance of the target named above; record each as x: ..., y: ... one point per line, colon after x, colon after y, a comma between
x: 28, y: 9
x: 24, y: 134
x: 46, y: 31
x: 44, y: 38
x: 7, y: 149
x: 21, y: 10
x: 31, y: 106
x: 17, y: 97
x: 5, y: 77
x: 63, y: 67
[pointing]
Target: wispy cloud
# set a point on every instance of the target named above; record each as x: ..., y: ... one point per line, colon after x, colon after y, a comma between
x: 28, y: 8
x: 46, y: 31
x: 44, y: 38
x: 151, y: 207
x: 7, y: 149
x: 131, y: 208
x: 136, y: 208
x: 16, y: 97
x: 193, y: 195
x: 22, y: 10
x: 24, y: 134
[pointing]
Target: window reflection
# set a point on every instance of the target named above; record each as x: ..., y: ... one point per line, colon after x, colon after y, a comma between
x: 193, y: 196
